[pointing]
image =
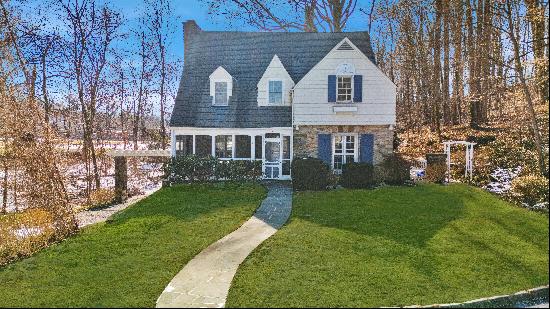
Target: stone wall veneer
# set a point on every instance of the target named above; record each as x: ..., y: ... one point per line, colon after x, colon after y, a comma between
x: 305, y: 138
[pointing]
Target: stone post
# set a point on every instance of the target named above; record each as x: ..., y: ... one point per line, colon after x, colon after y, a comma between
x: 436, y: 167
x: 121, y: 179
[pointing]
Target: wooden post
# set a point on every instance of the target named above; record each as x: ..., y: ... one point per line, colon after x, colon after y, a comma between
x: 121, y: 179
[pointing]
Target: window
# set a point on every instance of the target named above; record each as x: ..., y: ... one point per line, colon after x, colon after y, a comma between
x: 203, y: 145
x: 258, y: 147
x: 286, y: 156
x: 220, y: 93
x: 224, y: 146
x: 344, y: 88
x: 275, y: 92
x: 243, y: 147
x: 344, y: 150
x: 184, y: 145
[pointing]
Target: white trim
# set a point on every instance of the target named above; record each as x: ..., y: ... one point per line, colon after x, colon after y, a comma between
x: 275, y: 71
x: 336, y: 48
x: 220, y: 75
x: 355, y: 150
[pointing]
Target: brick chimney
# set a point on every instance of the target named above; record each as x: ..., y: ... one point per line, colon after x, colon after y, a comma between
x: 190, y: 29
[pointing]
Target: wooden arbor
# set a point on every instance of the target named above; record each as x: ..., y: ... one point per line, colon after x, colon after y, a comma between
x: 469, y: 156
x: 121, y: 168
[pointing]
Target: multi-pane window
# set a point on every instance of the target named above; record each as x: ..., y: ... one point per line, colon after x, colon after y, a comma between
x: 224, y: 146
x: 344, y: 150
x: 203, y: 145
x: 220, y: 93
x: 275, y: 92
x: 243, y: 147
x: 184, y: 145
x: 344, y: 88
x: 258, y: 152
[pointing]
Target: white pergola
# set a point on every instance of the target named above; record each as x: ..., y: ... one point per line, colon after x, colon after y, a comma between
x: 469, y: 156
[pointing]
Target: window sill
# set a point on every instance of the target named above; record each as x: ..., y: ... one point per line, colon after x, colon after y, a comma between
x: 344, y: 109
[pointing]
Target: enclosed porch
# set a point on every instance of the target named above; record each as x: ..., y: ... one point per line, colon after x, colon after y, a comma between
x: 273, y: 146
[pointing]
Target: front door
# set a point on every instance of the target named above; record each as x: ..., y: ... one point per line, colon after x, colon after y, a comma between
x: 272, y: 157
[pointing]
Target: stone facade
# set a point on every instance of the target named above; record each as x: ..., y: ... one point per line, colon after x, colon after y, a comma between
x: 305, y: 138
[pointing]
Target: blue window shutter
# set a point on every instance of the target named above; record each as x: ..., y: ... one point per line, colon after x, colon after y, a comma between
x: 332, y: 88
x: 367, y: 148
x: 358, y: 88
x: 324, y: 148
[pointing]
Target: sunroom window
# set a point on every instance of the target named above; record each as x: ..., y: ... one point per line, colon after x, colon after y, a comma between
x: 344, y: 89
x: 344, y: 151
x: 224, y: 146
x: 275, y: 92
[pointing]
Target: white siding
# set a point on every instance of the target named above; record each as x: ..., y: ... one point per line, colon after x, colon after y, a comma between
x: 310, y: 100
x: 275, y: 71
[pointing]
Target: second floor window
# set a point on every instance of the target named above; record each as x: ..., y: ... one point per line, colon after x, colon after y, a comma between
x: 275, y: 92
x: 220, y: 94
x: 344, y: 88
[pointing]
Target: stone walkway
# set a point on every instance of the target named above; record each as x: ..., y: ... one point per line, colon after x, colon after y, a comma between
x: 205, y: 280
x: 87, y: 217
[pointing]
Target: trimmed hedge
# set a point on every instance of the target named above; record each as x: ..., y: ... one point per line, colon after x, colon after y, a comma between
x: 357, y: 175
x: 310, y: 174
x: 192, y: 169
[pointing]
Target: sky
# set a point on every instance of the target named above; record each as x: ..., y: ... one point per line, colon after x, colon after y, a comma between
x: 198, y: 10
x: 182, y: 10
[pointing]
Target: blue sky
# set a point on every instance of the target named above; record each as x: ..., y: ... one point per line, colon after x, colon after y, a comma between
x: 198, y: 10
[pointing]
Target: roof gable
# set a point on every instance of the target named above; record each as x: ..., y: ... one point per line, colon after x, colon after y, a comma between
x: 247, y: 55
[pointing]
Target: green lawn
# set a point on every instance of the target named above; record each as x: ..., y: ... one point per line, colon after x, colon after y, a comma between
x: 128, y: 261
x: 395, y: 246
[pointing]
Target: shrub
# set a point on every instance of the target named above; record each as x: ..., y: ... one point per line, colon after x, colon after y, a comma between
x: 357, y: 175
x: 394, y: 170
x: 100, y: 198
x: 310, y: 174
x: 24, y: 233
x: 530, y: 189
x: 192, y: 168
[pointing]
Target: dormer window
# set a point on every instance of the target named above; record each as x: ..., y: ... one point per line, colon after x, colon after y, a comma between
x: 221, y: 87
x: 220, y: 93
x: 275, y: 85
x: 275, y: 92
x: 344, y: 88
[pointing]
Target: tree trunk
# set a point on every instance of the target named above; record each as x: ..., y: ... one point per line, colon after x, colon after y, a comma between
x: 530, y: 106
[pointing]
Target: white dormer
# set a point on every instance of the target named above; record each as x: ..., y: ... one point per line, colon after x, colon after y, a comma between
x: 221, y: 87
x: 275, y: 85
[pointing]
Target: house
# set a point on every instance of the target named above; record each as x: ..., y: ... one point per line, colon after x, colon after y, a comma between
x: 276, y: 96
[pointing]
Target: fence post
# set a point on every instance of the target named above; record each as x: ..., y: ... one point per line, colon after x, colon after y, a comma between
x: 121, y: 179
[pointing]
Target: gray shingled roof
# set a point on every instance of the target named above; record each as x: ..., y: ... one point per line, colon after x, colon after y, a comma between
x: 246, y: 55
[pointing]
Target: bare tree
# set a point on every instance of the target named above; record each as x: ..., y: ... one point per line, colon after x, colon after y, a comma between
x: 273, y: 15
x: 507, y: 9
x: 92, y: 31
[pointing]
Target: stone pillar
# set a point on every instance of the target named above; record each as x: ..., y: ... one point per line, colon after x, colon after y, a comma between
x: 121, y: 179
x: 436, y: 167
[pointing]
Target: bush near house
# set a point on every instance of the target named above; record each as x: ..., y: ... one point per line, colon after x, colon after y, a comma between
x: 357, y: 175
x: 394, y: 170
x: 310, y: 174
x: 195, y: 169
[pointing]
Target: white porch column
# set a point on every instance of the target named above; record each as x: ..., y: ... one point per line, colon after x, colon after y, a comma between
x: 213, y: 138
x: 173, y: 143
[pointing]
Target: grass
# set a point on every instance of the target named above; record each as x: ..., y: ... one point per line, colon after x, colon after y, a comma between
x: 395, y: 246
x: 128, y: 261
